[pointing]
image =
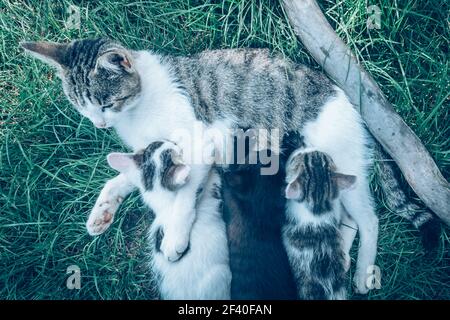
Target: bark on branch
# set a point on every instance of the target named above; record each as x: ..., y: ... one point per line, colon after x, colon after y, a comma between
x: 384, y: 123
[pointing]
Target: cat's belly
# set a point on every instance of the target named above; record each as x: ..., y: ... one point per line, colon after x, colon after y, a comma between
x: 339, y: 132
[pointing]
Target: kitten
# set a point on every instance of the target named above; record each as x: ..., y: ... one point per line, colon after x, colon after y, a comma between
x: 311, y: 234
x: 253, y: 207
x: 203, y: 272
x: 147, y: 97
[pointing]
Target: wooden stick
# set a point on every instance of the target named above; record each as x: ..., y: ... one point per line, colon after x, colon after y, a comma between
x: 383, y: 122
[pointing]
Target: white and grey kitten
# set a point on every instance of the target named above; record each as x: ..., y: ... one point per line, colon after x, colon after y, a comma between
x: 203, y: 272
x: 311, y: 234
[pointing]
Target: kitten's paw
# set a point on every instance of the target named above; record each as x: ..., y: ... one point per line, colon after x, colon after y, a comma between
x: 360, y: 283
x: 174, y: 246
x: 102, y: 216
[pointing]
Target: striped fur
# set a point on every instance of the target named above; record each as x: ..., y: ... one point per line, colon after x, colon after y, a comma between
x: 313, y: 173
x: 311, y: 234
x: 397, y: 201
x: 261, y: 89
x: 93, y: 76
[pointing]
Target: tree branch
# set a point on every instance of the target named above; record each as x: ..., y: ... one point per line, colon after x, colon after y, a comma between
x: 383, y: 122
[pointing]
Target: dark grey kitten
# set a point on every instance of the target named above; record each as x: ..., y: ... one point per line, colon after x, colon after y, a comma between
x: 311, y: 234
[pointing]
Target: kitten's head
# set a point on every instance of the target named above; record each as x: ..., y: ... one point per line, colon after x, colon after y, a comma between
x: 312, y: 178
x: 98, y: 76
x: 159, y: 166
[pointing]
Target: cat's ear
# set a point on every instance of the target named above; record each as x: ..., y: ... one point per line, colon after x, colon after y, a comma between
x: 54, y: 54
x: 117, y: 60
x: 344, y: 181
x: 293, y: 190
x: 179, y: 174
x: 121, y: 162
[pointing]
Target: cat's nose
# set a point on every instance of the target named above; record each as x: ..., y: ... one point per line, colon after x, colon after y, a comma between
x: 100, y: 124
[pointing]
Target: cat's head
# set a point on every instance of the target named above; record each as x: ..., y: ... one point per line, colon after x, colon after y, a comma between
x: 312, y: 179
x: 157, y: 167
x: 98, y: 76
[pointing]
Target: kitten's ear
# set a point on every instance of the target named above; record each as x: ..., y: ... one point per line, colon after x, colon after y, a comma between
x: 179, y: 174
x: 293, y: 190
x: 117, y: 60
x: 51, y: 53
x: 344, y: 181
x: 121, y: 161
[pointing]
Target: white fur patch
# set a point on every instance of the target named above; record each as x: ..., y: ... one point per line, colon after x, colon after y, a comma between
x: 204, y: 272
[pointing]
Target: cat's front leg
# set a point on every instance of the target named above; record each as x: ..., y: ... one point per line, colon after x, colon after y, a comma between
x: 359, y: 205
x: 177, y: 232
x: 178, y: 229
x: 107, y: 204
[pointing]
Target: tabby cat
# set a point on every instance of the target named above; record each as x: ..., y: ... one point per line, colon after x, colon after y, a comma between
x: 146, y: 97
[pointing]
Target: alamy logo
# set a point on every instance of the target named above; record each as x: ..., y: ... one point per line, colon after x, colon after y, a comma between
x: 74, y: 19
x: 230, y: 146
x: 74, y: 280
x: 373, y: 277
x: 374, y: 20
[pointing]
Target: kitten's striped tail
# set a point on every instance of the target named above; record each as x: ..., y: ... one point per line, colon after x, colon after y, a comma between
x: 397, y: 201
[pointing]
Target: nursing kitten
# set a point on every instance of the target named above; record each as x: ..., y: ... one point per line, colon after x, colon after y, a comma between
x: 311, y: 234
x: 203, y: 272
x: 253, y: 207
x: 148, y: 97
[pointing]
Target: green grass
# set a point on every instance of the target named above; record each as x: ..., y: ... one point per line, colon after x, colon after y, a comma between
x: 52, y: 162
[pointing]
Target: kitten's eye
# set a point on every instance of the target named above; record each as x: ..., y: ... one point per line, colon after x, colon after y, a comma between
x: 108, y: 106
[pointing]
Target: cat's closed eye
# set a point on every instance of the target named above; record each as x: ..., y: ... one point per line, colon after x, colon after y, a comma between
x: 117, y: 103
x: 108, y: 106
x: 123, y: 98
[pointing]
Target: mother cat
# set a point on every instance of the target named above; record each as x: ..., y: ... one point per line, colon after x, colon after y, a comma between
x: 147, y: 97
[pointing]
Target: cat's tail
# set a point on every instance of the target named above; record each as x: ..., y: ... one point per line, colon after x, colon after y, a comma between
x: 398, y: 202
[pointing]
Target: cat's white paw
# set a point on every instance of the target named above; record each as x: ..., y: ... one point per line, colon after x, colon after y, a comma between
x: 174, y: 245
x: 102, y: 216
x: 360, y: 283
